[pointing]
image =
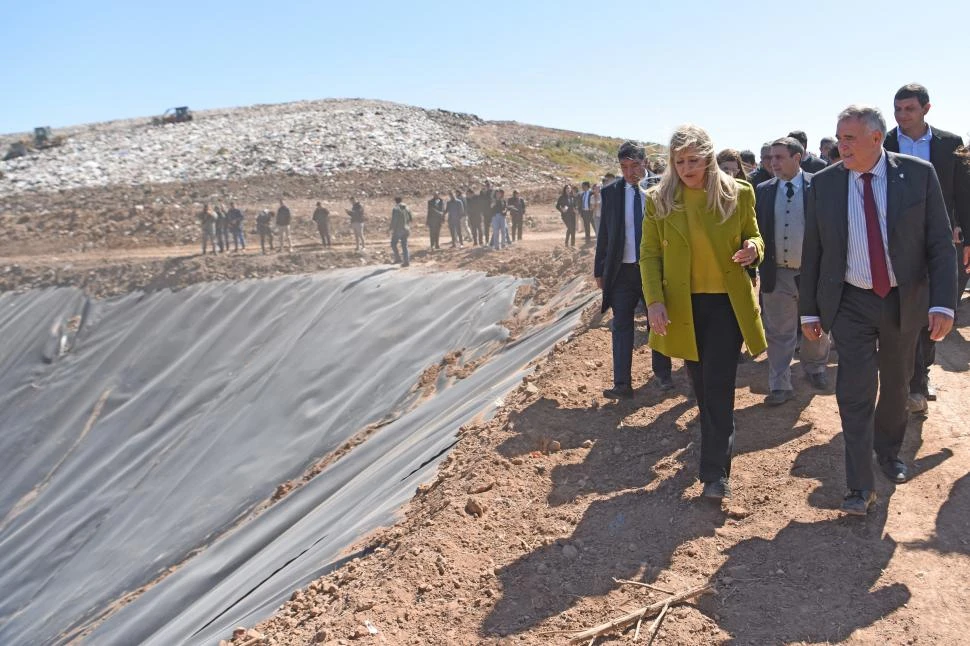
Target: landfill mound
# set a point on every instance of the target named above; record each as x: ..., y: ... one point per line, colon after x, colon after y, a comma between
x: 315, y: 138
x: 179, y: 462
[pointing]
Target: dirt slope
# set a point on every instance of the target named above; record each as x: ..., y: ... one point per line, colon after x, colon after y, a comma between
x: 577, y: 491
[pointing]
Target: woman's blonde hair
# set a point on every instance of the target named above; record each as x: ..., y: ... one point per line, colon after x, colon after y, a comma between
x: 722, y: 189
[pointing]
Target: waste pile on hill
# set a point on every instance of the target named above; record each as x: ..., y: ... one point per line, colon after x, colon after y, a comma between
x: 314, y: 138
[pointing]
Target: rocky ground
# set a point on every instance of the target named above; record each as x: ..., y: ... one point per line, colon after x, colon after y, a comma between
x: 134, y: 185
x: 540, y: 516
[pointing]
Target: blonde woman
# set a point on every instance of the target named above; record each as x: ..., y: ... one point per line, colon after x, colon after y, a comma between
x: 699, y: 235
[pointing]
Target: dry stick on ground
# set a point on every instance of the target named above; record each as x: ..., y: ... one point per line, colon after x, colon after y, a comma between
x: 642, y: 585
x: 655, y: 626
x: 627, y: 619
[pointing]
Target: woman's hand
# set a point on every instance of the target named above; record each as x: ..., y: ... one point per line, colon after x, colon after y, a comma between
x: 746, y: 255
x: 657, y: 315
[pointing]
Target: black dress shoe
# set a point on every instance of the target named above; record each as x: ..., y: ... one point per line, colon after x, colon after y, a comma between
x: 895, y: 470
x: 665, y: 383
x: 717, y: 490
x: 618, y: 392
x: 819, y: 381
x: 779, y: 397
x: 858, y: 501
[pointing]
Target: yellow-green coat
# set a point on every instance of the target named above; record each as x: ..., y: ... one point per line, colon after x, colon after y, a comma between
x: 665, y: 271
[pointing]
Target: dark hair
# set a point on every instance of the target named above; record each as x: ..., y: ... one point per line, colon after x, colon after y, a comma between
x: 800, y: 136
x: 630, y: 150
x: 585, y: 184
x: 748, y: 157
x: 397, y: 200
x: 766, y: 146
x: 794, y: 146
x: 834, y: 154
x: 730, y: 154
x: 913, y: 91
x: 827, y: 140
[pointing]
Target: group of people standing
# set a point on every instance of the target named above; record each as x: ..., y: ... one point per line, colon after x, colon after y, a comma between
x: 859, y: 254
x: 219, y: 226
x: 480, y: 218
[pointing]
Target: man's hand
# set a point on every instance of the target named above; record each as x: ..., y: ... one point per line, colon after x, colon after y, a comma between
x: 746, y: 255
x: 599, y: 282
x: 940, y: 325
x: 657, y: 315
x: 812, y: 331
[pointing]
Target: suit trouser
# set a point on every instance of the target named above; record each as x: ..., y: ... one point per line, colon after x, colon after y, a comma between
x: 962, y: 276
x: 403, y: 256
x: 779, y: 311
x: 208, y: 235
x: 264, y: 235
x: 587, y: 222
x: 358, y: 229
x: 571, y: 231
x: 517, y: 227
x: 874, y: 354
x: 324, y: 229
x: 714, y: 378
x: 284, y: 235
x: 434, y: 232
x: 625, y: 293
x: 454, y: 228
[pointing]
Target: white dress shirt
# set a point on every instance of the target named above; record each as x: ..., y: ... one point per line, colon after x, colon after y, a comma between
x: 630, y: 241
x: 918, y: 147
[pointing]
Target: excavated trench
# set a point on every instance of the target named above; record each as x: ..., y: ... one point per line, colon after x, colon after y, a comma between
x: 176, y: 463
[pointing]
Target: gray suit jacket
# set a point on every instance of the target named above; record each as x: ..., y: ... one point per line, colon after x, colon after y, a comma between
x: 920, y: 242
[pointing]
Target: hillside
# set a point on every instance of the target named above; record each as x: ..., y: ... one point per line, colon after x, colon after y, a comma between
x: 130, y: 183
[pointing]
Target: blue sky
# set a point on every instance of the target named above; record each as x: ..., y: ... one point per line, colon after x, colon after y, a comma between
x: 746, y: 71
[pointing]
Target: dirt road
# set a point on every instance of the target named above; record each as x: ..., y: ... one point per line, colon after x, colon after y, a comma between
x: 577, y: 491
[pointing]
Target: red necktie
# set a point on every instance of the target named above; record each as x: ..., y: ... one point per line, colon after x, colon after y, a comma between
x: 877, y: 254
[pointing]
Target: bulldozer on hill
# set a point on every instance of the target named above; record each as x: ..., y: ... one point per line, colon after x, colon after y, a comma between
x: 180, y: 114
x: 43, y: 139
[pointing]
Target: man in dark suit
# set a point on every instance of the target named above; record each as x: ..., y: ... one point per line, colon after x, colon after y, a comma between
x: 810, y: 163
x: 915, y: 137
x: 780, y: 206
x: 436, y: 215
x: 877, y: 264
x: 617, y: 269
x: 763, y: 172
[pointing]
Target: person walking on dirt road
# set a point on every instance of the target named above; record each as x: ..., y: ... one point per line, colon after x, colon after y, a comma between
x: 207, y: 220
x: 617, y: 272
x: 264, y: 228
x: 400, y: 229
x: 321, y: 215
x: 356, y: 213
x: 283, y: 220
x: 436, y: 215
x: 700, y: 233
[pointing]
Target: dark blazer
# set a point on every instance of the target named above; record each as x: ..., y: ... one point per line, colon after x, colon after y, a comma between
x: 758, y: 176
x: 920, y: 242
x: 942, y: 146
x: 765, y: 195
x: 611, y: 237
x: 961, y: 195
x: 812, y: 164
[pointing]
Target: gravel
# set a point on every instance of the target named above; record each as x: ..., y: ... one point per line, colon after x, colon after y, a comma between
x: 310, y: 138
